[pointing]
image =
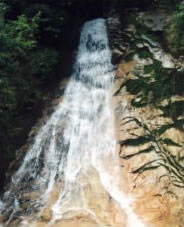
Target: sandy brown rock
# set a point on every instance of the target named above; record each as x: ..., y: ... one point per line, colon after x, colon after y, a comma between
x: 157, y: 202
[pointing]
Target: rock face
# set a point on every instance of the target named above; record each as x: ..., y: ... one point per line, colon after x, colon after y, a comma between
x: 150, y: 142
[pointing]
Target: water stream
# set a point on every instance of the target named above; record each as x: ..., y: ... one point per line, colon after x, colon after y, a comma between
x: 78, y: 137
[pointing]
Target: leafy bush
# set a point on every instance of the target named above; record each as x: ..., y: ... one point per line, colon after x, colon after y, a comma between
x: 42, y: 61
x: 174, y: 34
x: 161, y: 84
x: 16, y: 41
x: 25, y: 66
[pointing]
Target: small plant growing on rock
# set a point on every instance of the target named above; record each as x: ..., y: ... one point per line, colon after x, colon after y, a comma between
x: 173, y: 164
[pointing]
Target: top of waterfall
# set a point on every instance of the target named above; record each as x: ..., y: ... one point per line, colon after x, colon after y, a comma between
x: 95, y: 22
x: 93, y: 35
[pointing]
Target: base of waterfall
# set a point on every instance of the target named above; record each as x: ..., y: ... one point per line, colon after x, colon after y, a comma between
x: 103, y: 211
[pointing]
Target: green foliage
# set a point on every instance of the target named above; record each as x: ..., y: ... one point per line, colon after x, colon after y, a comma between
x: 144, y: 151
x: 170, y: 142
x: 155, y: 143
x: 161, y: 84
x: 42, y: 62
x: 3, y: 7
x: 51, y: 19
x: 145, y: 53
x: 16, y: 41
x: 163, y: 128
x: 136, y: 141
x: 135, y: 86
x: 173, y: 109
x: 174, y: 34
x: 167, y: 4
x: 25, y: 67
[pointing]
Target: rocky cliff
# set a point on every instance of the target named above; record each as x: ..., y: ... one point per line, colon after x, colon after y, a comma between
x: 149, y: 116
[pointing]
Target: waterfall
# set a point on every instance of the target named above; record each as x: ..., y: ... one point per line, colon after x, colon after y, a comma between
x: 79, y: 137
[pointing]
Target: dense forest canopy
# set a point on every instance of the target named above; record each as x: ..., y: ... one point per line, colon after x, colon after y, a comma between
x: 36, y: 37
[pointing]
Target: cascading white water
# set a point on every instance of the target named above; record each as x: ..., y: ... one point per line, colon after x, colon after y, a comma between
x: 79, y: 135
